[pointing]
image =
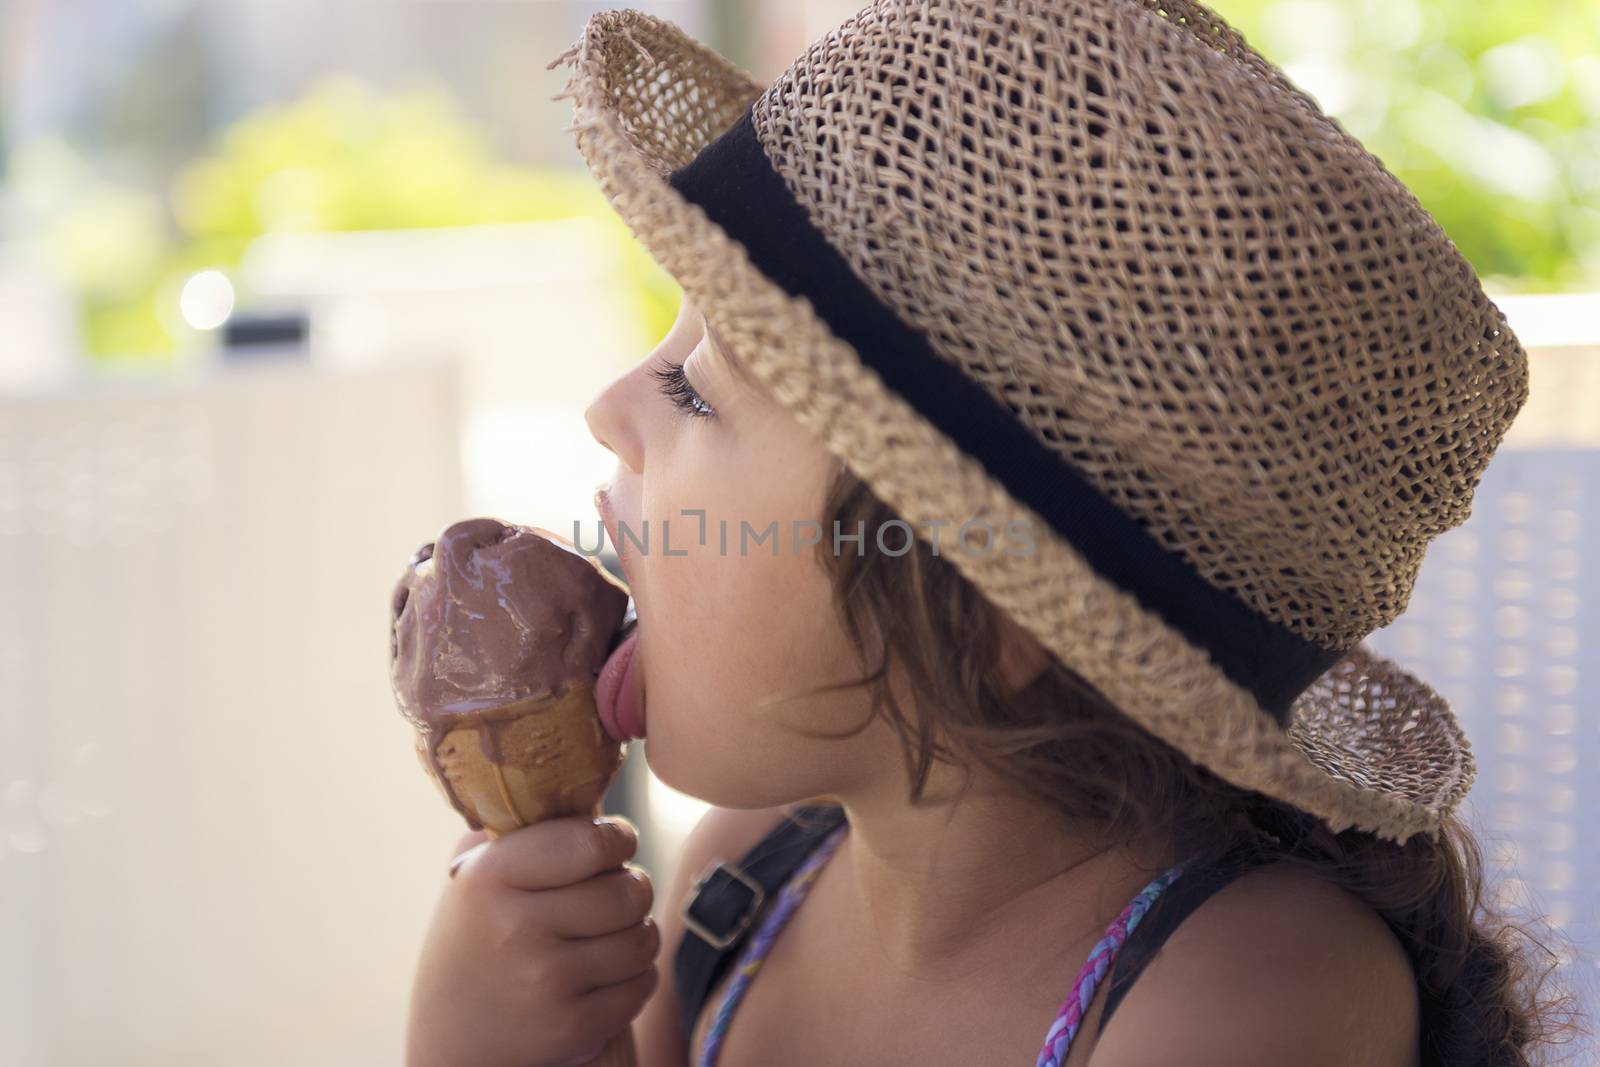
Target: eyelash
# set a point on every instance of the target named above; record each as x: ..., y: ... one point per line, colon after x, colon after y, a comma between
x: 676, y: 388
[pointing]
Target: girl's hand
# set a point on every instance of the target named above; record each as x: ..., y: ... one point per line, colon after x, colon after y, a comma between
x: 541, y: 949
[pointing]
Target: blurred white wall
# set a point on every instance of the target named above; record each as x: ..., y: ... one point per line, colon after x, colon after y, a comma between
x: 213, y: 820
x: 216, y: 845
x: 534, y: 312
x: 40, y: 341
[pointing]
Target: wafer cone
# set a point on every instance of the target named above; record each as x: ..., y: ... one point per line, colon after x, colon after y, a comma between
x: 516, y: 764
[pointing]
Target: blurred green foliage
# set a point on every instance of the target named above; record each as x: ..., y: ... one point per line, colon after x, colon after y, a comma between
x: 340, y: 158
x: 1489, y: 112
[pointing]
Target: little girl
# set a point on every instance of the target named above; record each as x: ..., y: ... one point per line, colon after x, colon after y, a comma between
x: 1057, y: 399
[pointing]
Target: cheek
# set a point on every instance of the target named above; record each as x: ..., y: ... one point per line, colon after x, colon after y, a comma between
x: 729, y: 631
x: 732, y: 621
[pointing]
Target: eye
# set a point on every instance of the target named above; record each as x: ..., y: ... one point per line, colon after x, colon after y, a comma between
x: 676, y: 388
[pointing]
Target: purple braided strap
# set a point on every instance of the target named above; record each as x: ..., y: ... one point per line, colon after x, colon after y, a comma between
x: 1065, y: 1028
x: 756, y: 952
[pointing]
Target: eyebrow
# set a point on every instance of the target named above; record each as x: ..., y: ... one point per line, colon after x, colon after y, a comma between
x: 726, y: 353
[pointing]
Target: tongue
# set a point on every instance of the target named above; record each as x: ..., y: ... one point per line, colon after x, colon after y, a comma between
x: 629, y: 707
x: 617, y: 691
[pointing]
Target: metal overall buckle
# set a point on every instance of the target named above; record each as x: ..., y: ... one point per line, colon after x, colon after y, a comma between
x: 722, y: 873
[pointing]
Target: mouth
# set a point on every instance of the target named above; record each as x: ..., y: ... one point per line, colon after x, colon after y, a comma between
x: 617, y: 689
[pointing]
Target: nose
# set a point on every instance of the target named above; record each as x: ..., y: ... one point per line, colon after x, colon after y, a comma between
x: 612, y: 423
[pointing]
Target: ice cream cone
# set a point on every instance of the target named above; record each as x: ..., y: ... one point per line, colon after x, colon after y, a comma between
x: 516, y: 764
x: 497, y: 635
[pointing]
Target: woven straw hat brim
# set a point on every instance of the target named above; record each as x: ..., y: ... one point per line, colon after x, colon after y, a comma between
x: 1368, y: 745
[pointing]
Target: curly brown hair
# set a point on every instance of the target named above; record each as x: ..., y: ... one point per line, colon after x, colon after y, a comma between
x: 1060, y: 739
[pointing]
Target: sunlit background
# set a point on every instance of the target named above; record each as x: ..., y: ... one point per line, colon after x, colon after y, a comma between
x: 286, y: 287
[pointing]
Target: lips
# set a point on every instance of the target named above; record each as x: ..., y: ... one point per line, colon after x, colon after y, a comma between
x: 602, y: 504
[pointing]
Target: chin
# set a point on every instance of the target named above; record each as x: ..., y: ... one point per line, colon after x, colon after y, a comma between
x: 717, y: 777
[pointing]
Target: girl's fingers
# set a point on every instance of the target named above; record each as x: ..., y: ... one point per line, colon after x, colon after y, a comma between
x: 611, y: 1008
x: 601, y: 963
x: 604, y: 904
x: 557, y: 852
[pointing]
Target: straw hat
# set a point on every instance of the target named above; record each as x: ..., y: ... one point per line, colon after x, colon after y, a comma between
x: 1099, y: 267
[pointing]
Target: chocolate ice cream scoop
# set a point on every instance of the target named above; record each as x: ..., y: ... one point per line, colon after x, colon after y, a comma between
x: 497, y: 634
x: 492, y: 613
